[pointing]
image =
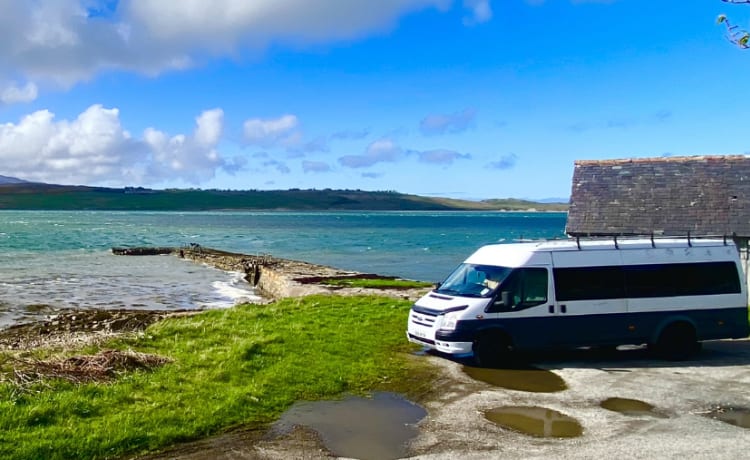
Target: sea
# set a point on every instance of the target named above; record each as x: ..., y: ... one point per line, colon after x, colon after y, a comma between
x: 53, y: 260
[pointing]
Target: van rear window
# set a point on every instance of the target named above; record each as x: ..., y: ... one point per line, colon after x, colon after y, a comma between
x: 638, y: 281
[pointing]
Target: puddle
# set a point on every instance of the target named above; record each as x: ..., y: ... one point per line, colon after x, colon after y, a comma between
x: 363, y: 428
x: 535, y: 421
x: 733, y: 415
x: 627, y: 406
x: 522, y: 379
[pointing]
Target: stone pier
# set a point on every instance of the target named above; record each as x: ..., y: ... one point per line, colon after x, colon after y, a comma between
x: 275, y: 278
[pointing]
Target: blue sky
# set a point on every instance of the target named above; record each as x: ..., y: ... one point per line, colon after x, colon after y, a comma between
x: 467, y: 98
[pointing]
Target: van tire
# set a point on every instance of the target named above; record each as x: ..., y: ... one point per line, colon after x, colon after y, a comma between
x: 492, y: 349
x: 677, y: 342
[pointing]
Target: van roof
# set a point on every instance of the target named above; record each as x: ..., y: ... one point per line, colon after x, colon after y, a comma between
x: 619, y: 243
x: 539, y: 252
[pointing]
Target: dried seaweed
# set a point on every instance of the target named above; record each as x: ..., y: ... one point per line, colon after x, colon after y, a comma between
x: 104, y: 366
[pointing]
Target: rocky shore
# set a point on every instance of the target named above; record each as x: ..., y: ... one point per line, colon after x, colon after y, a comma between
x: 272, y: 277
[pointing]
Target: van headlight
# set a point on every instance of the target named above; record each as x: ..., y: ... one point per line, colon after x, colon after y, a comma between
x: 450, y: 320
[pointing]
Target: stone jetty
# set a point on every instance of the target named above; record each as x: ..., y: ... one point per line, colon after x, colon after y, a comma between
x: 276, y: 278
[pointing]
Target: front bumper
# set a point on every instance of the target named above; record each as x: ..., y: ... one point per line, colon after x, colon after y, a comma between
x: 451, y: 348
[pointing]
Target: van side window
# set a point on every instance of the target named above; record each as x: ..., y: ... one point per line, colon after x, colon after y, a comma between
x: 525, y: 287
x: 588, y: 283
x: 682, y: 279
x: 641, y: 281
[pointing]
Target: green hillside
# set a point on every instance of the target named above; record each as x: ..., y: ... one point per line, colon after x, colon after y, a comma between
x: 60, y: 197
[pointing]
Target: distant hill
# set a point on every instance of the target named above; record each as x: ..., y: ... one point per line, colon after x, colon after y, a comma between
x: 513, y: 204
x: 10, y: 180
x: 50, y: 197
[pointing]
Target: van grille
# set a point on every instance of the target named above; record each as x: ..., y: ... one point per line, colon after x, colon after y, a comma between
x: 423, y: 319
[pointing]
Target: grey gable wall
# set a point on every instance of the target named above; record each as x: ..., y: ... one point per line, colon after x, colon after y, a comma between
x: 705, y: 195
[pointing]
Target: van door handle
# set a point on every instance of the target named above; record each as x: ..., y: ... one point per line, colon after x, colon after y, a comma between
x: 551, y: 308
x: 563, y: 309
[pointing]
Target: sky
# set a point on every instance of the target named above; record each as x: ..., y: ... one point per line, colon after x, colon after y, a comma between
x: 469, y: 99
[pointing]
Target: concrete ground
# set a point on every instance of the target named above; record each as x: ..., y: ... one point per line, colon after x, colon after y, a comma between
x: 682, y: 393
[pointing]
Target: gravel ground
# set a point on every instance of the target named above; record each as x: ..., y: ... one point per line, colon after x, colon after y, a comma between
x: 683, y: 394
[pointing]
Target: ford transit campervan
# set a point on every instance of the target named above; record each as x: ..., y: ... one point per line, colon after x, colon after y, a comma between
x: 669, y: 293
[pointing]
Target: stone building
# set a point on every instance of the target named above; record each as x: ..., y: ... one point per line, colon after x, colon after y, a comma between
x: 670, y: 196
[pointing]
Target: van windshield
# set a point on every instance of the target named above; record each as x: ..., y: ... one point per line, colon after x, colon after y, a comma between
x: 470, y: 280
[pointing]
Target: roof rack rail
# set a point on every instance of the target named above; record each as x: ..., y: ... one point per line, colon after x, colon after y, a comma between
x: 652, y: 237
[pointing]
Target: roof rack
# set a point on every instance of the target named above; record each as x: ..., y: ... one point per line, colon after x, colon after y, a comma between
x: 653, y: 238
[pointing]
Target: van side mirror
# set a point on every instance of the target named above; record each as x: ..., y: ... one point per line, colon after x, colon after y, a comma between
x: 506, y: 299
x: 502, y: 303
x: 437, y: 285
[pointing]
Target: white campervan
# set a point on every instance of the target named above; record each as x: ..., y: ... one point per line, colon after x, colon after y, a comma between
x: 670, y: 293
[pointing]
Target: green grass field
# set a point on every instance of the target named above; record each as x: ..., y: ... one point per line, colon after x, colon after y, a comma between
x: 238, y: 367
x: 376, y: 283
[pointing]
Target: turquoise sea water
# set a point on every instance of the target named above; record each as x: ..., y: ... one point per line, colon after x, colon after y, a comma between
x: 63, y: 259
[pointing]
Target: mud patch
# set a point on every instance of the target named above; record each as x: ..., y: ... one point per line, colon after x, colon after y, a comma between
x: 632, y: 407
x: 366, y: 428
x: 529, y: 379
x: 737, y: 416
x: 535, y: 421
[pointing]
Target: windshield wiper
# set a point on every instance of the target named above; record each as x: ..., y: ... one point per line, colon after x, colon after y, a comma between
x: 449, y: 291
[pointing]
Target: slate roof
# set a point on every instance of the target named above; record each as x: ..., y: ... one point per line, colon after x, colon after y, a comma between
x: 705, y: 195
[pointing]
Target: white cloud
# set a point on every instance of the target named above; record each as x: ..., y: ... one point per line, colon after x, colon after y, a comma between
x: 383, y: 150
x: 450, y: 123
x: 190, y: 158
x: 480, y: 11
x: 209, y: 126
x: 441, y: 156
x: 315, y: 166
x: 94, y: 148
x: 274, y: 132
x: 505, y: 162
x: 63, y: 42
x: 91, y: 148
x: 13, y: 94
x: 222, y: 24
x: 279, y: 166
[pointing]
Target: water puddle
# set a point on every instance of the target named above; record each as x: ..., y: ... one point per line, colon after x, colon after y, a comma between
x: 529, y: 379
x: 733, y: 415
x: 365, y: 428
x: 627, y: 406
x: 535, y: 421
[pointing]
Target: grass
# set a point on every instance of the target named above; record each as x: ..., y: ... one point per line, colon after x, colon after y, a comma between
x: 238, y: 367
x: 376, y: 283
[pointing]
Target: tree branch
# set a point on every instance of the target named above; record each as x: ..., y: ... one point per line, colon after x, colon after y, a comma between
x: 739, y: 37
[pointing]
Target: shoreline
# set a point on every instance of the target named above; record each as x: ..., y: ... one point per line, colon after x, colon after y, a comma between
x: 272, y: 278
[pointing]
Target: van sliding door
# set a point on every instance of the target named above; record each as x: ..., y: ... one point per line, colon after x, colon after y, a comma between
x: 590, y: 297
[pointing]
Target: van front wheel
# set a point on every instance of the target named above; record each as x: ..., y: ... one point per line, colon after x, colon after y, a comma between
x: 491, y: 349
x: 677, y: 342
